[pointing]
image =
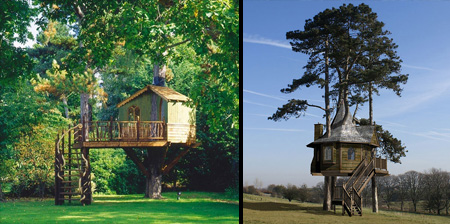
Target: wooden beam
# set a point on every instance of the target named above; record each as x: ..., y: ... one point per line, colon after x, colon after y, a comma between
x: 120, y: 144
x: 130, y: 153
x: 168, y: 167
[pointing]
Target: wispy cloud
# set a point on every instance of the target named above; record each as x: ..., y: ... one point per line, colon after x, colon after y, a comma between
x: 408, y: 104
x: 388, y: 123
x: 419, y: 67
x: 262, y: 94
x: 275, y: 129
x: 273, y: 97
x: 441, y: 136
x: 256, y: 39
x: 259, y: 104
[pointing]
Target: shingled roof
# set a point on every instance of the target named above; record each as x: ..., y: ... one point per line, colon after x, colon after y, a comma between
x: 344, y: 130
x: 166, y: 93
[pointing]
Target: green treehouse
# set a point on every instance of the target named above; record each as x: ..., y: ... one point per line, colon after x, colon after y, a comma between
x: 153, y: 118
x: 349, y: 150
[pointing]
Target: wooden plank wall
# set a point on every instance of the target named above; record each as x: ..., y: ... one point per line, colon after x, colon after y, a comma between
x: 180, y: 133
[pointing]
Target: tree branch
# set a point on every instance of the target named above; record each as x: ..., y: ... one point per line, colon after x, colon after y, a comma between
x: 179, y: 43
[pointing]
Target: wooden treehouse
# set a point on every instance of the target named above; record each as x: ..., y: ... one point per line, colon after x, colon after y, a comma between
x: 349, y: 150
x: 136, y: 127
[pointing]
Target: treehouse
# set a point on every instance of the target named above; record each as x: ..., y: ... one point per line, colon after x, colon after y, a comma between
x: 348, y: 150
x: 346, y: 147
x: 153, y: 118
x: 172, y: 122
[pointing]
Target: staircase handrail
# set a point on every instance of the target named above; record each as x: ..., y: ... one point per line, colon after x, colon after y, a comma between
x: 59, y: 152
x: 348, y: 200
x: 350, y: 181
x: 364, y: 173
x: 357, y: 199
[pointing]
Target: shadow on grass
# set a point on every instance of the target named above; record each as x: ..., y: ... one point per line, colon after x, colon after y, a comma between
x: 274, y: 206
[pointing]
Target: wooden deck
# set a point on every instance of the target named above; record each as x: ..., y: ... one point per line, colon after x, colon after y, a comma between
x: 132, y: 134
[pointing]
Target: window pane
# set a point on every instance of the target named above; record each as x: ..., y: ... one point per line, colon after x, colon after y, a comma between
x: 351, y: 154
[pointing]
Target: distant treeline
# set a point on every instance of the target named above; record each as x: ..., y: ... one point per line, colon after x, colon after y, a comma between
x: 426, y: 192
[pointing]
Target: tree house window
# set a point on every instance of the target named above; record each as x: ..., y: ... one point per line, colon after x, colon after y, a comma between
x: 133, y: 113
x: 351, y: 154
x: 328, y: 153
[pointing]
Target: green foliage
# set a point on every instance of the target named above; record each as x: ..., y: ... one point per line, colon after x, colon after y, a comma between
x: 114, y: 174
x: 291, y: 192
x: 390, y: 147
x: 14, y: 62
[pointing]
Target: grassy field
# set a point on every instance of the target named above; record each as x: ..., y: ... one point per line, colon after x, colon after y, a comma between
x: 263, y: 209
x: 194, y: 207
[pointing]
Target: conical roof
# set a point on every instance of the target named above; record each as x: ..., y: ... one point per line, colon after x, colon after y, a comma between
x: 344, y: 130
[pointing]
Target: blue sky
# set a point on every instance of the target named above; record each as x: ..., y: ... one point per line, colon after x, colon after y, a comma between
x: 276, y: 152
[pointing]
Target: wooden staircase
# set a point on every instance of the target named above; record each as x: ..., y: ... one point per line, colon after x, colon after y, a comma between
x: 72, y: 171
x: 349, y: 194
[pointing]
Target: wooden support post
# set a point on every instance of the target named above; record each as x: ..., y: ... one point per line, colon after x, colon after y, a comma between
x: 86, y: 179
x: 137, y: 128
x: 166, y: 169
x: 130, y: 153
x: 57, y: 181
x: 110, y: 128
x: 374, y: 195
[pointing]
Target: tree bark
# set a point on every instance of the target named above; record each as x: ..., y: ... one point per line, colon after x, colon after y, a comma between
x: 327, y: 92
x: 370, y: 104
x: 327, y: 195
x: 1, y: 192
x: 374, y: 195
x: 156, y: 158
x: 66, y: 107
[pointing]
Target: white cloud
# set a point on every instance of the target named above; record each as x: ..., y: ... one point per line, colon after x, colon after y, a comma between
x: 275, y: 129
x: 262, y: 40
x: 419, y: 67
x: 262, y: 94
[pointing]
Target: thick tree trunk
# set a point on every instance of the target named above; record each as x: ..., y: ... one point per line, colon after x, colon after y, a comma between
x: 370, y: 104
x: 155, y: 162
x: 374, y: 195
x: 155, y: 156
x: 327, y: 195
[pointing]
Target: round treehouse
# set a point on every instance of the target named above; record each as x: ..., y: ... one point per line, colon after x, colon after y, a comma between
x: 348, y: 150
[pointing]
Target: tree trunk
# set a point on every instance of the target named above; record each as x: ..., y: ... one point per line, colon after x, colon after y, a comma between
x: 370, y: 104
x: 374, y: 195
x: 327, y: 195
x: 66, y: 108
x: 156, y: 158
x: 327, y: 93
x: 1, y: 192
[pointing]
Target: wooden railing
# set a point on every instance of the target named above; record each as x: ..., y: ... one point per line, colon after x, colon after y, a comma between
x: 364, y: 177
x: 102, y: 131
x: 358, y: 200
x: 381, y: 163
x: 348, y: 185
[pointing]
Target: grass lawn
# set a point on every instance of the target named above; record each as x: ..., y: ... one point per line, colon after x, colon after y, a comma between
x: 263, y: 209
x: 194, y: 207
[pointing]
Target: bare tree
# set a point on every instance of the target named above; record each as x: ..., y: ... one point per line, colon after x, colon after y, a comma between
x: 413, y: 183
x: 435, y: 183
x: 386, y: 186
x: 402, y: 189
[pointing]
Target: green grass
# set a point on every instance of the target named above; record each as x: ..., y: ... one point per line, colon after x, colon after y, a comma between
x: 263, y: 209
x: 194, y: 207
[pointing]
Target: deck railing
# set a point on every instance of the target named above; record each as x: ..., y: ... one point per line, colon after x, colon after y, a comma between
x: 381, y: 163
x: 102, y: 131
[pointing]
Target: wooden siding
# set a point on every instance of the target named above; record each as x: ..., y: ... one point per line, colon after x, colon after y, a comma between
x: 180, y: 133
x: 180, y: 114
x: 144, y: 102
